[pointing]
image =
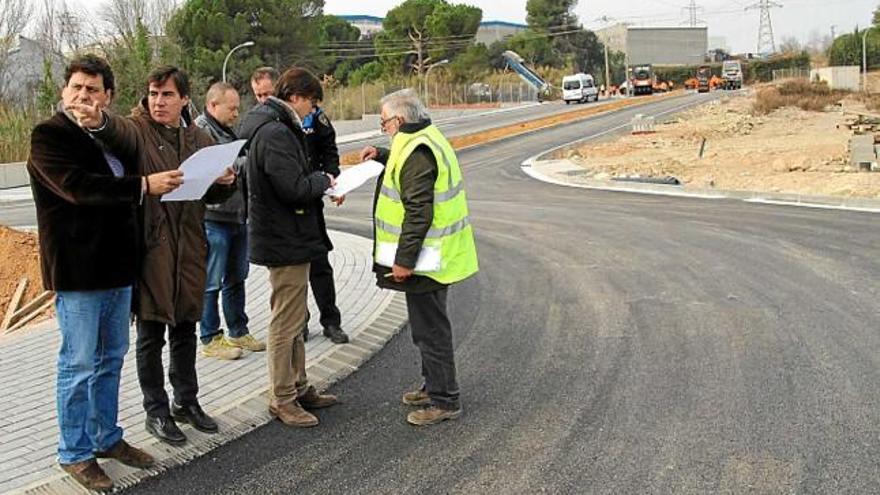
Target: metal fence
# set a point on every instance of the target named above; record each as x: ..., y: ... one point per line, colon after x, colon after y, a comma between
x: 791, y: 74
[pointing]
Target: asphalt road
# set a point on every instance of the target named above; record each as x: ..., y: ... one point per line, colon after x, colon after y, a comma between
x: 612, y: 343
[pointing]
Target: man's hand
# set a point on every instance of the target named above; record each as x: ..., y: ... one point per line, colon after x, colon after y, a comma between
x: 400, y: 274
x: 338, y: 199
x: 227, y: 178
x: 164, y: 182
x: 369, y: 153
x: 87, y: 116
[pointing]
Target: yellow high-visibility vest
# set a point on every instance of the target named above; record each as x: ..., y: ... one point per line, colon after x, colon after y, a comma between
x: 448, y: 252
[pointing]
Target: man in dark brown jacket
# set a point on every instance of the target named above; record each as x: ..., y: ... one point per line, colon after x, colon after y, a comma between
x: 171, y: 287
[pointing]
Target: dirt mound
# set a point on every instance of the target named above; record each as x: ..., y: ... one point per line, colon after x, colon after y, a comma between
x: 21, y: 258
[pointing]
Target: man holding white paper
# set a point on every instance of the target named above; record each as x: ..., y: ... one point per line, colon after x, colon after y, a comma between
x: 423, y: 243
x: 171, y: 286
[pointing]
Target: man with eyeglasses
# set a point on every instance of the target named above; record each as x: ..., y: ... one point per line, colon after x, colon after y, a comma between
x: 423, y: 243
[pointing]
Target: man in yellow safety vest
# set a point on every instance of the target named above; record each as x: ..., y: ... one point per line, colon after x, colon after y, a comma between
x: 423, y: 243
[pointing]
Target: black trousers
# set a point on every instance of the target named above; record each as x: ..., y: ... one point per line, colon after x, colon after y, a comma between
x: 324, y: 289
x: 432, y: 334
x: 181, y: 369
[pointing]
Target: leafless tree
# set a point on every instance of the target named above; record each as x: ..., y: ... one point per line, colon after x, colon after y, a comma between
x: 15, y: 15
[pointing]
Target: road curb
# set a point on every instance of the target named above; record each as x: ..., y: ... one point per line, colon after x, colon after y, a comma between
x: 248, y: 413
x: 532, y: 167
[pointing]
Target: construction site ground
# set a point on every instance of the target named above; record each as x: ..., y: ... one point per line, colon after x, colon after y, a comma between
x: 786, y: 151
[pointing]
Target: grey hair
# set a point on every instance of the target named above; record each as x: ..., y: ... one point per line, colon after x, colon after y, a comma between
x: 406, y: 105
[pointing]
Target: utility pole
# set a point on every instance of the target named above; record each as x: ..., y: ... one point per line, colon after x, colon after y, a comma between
x: 766, y: 42
x: 833, y: 34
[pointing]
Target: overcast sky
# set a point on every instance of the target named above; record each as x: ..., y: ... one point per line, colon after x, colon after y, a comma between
x: 725, y: 18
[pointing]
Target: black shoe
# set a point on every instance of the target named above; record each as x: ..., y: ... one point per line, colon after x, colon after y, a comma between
x: 335, y: 334
x: 164, y: 428
x: 195, y: 416
x: 305, y: 333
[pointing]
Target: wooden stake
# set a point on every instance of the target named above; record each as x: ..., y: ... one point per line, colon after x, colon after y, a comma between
x: 13, y: 303
x: 37, y: 302
x: 22, y: 322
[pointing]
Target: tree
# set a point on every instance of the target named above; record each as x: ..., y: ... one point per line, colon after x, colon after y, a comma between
x: 875, y: 19
x: 338, y: 36
x: 847, y: 49
x: 790, y: 44
x: 418, y: 32
x: 569, y: 44
x: 470, y: 65
x: 14, y: 17
x: 284, y: 32
x: 551, y: 14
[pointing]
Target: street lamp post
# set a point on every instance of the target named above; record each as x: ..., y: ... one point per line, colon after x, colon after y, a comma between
x: 865, y: 61
x: 226, y: 60
x: 427, y: 73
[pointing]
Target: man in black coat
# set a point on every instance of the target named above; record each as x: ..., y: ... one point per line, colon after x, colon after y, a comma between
x: 86, y: 200
x: 285, y: 235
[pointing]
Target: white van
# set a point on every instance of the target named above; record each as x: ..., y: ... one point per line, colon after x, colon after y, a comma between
x: 579, y: 87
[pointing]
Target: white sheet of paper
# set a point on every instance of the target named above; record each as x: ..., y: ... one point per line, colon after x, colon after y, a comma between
x: 429, y: 257
x: 202, y: 168
x: 354, y: 177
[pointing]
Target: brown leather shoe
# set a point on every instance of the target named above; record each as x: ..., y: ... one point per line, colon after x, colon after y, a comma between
x: 313, y: 400
x: 89, y: 474
x: 128, y: 455
x: 294, y: 415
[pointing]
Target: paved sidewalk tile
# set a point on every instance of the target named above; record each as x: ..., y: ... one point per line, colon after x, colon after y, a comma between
x: 28, y: 428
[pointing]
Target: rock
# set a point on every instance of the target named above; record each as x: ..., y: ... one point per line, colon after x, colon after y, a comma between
x: 602, y: 176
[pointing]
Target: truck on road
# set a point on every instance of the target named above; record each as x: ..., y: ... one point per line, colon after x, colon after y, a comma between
x: 704, y: 74
x: 731, y: 74
x: 642, y: 79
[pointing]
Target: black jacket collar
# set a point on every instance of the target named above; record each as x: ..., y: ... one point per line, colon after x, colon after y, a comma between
x: 412, y: 128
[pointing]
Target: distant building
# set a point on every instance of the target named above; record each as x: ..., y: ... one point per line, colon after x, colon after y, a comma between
x: 488, y: 32
x: 614, y: 36
x: 369, y: 25
x: 491, y: 31
x: 667, y: 45
x: 22, y: 71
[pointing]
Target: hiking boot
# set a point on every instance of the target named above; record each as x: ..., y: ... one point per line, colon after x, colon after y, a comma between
x: 335, y: 334
x: 416, y: 398
x: 313, y: 400
x: 128, y: 455
x: 246, y: 342
x: 220, y: 349
x: 294, y: 415
x: 89, y: 474
x: 432, y: 415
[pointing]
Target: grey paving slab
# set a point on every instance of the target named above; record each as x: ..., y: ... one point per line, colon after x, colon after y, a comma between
x: 233, y: 391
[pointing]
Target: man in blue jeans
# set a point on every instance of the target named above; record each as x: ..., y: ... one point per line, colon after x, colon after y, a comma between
x: 86, y: 200
x: 226, y: 230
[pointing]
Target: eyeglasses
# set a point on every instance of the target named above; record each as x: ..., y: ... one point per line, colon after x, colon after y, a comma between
x: 383, y: 122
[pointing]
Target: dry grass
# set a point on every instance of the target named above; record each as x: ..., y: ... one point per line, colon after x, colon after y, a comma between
x: 812, y: 97
x: 15, y: 132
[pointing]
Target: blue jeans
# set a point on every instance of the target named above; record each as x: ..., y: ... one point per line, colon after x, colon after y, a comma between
x: 94, y: 340
x: 227, y: 270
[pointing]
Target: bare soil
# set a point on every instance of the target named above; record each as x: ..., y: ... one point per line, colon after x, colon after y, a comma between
x: 21, y: 258
x: 788, y: 150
